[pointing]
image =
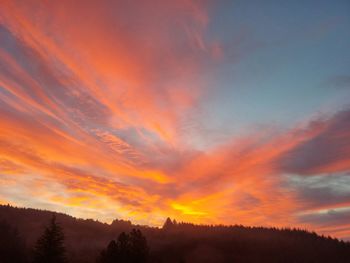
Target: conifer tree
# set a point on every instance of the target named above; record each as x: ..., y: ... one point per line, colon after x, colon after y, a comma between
x: 50, y: 246
x: 138, y: 247
x: 129, y: 248
x: 168, y: 224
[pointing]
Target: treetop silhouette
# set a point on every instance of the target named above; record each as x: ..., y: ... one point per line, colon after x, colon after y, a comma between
x: 50, y: 246
x: 129, y: 248
x: 184, y: 242
x: 168, y: 224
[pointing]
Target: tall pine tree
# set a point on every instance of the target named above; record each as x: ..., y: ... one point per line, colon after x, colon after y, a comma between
x: 50, y: 246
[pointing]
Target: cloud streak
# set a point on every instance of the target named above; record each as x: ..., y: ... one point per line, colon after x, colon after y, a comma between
x: 95, y: 101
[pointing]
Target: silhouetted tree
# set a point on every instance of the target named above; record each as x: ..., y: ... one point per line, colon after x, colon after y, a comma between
x: 110, y: 254
x: 185, y: 241
x: 138, y: 246
x: 168, y: 224
x: 123, y: 247
x: 12, y: 248
x: 130, y: 248
x: 50, y: 246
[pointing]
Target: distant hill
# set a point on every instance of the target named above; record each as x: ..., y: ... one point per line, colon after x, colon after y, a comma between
x: 182, y: 242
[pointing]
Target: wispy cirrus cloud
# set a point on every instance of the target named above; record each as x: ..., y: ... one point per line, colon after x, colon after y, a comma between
x: 96, y: 104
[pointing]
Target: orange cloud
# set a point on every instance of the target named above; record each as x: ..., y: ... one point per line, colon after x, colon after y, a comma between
x: 128, y: 66
x: 94, y: 102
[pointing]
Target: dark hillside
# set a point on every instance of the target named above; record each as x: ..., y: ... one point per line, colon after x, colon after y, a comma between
x: 182, y: 242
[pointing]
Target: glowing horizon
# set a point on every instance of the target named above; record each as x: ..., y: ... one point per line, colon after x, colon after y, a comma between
x: 225, y: 113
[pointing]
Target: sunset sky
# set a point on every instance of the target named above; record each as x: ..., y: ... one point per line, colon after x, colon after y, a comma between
x: 213, y: 112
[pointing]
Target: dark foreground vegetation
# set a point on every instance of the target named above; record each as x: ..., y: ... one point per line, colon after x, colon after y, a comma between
x: 35, y: 236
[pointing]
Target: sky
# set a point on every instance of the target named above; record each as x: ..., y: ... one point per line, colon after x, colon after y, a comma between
x: 211, y: 112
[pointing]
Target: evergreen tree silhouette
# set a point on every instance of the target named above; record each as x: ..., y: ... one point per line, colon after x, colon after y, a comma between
x: 50, y: 246
x: 138, y: 247
x: 110, y: 254
x: 123, y: 247
x: 168, y: 224
x: 129, y: 248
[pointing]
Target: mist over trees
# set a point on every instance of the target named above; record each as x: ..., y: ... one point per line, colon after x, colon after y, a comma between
x: 35, y: 236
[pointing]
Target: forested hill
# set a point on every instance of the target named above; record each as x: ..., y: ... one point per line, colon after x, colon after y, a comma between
x: 175, y: 242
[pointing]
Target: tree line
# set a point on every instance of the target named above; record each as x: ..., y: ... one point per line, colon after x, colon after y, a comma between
x: 70, y: 240
x: 50, y: 247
